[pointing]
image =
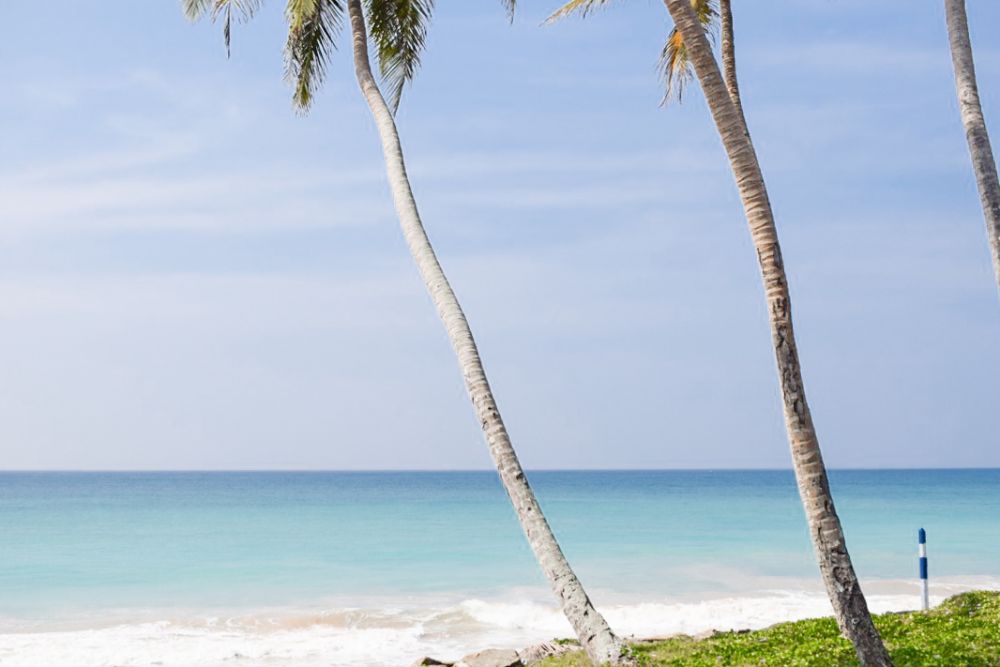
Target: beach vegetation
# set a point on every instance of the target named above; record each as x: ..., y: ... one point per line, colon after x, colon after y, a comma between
x: 963, y: 631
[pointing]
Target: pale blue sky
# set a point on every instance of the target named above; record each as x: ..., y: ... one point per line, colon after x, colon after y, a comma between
x: 192, y: 276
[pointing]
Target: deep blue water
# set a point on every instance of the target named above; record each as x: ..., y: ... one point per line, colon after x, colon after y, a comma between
x: 85, y: 541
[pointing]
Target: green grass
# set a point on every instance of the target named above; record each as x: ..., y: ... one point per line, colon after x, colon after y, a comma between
x: 964, y: 631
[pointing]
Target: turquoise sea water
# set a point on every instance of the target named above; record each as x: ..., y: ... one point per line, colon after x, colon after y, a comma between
x: 85, y: 550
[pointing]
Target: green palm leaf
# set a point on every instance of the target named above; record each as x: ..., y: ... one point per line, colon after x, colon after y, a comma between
x: 243, y: 9
x: 313, y: 26
x: 399, y: 31
x: 195, y: 9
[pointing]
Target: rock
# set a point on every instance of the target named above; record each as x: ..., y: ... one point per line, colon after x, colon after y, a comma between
x: 494, y: 657
x: 425, y: 661
x: 535, y: 654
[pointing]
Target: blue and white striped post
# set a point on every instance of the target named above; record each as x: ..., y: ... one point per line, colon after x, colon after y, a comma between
x: 922, y: 552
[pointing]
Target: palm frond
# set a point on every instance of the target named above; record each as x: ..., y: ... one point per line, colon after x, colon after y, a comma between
x: 399, y: 30
x: 510, y: 6
x: 581, y: 7
x: 195, y: 9
x: 674, y: 65
x: 313, y: 26
x: 243, y: 10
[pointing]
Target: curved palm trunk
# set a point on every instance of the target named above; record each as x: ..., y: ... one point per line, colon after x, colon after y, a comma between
x: 835, y: 565
x: 729, y: 53
x: 593, y: 631
x: 975, y: 125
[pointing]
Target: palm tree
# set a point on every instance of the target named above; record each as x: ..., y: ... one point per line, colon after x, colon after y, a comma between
x: 676, y: 63
x: 983, y: 163
x: 843, y: 588
x: 398, y: 29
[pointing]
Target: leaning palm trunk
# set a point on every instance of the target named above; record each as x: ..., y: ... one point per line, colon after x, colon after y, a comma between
x: 728, y: 57
x: 593, y: 631
x: 835, y: 565
x: 728, y: 49
x: 975, y: 125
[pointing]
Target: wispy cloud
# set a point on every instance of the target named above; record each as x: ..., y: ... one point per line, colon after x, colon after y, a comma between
x: 242, y: 199
x: 193, y: 276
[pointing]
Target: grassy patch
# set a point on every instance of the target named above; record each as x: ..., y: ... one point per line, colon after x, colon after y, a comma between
x: 964, y: 631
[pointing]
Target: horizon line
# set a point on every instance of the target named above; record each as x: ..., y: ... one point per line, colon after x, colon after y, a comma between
x: 470, y: 470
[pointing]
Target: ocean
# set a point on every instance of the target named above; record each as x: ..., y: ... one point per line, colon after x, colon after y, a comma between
x: 205, y: 569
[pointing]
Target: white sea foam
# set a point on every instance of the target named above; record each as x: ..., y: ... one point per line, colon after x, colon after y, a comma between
x: 390, y: 636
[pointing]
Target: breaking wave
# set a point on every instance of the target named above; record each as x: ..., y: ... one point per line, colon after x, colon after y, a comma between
x: 392, y: 635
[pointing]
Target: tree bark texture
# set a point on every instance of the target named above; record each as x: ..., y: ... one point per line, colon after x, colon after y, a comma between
x: 843, y: 588
x: 983, y: 163
x: 591, y: 629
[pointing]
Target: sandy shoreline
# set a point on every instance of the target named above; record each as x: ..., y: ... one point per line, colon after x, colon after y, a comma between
x: 390, y: 637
